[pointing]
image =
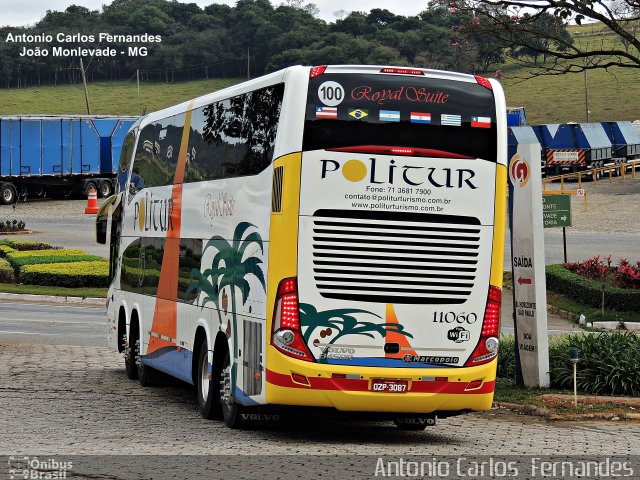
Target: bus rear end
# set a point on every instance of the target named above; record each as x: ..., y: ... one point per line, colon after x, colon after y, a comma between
x: 395, y: 236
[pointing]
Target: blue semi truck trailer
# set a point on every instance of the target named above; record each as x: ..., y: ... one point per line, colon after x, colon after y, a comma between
x: 59, y: 154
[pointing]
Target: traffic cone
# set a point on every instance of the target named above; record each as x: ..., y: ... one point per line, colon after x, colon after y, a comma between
x: 92, y: 202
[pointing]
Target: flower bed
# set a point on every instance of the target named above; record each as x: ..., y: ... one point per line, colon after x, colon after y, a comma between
x: 623, y: 275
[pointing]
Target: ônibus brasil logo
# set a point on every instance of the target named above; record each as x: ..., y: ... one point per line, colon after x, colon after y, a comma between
x: 519, y: 170
x: 391, y: 173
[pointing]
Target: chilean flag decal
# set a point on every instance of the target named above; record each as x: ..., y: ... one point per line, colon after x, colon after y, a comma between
x: 481, y: 122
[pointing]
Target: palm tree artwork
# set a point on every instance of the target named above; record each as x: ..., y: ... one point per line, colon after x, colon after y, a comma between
x: 344, y: 322
x: 229, y: 268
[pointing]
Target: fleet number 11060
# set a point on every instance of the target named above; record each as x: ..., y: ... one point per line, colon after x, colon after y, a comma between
x: 453, y: 317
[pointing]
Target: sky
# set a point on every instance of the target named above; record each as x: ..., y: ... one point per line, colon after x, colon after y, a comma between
x: 24, y: 12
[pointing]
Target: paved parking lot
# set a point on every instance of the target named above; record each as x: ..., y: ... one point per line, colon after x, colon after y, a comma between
x: 77, y: 400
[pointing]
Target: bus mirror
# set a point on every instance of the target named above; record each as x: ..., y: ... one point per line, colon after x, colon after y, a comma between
x: 101, y: 229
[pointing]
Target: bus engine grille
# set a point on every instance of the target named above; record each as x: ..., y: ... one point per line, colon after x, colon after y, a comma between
x: 391, y: 257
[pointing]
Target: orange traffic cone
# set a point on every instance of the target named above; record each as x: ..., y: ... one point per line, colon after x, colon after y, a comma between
x: 92, y: 202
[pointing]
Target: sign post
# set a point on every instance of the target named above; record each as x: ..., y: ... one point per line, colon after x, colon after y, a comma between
x: 528, y: 265
x: 556, y: 212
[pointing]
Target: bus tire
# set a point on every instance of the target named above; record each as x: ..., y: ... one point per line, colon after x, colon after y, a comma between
x: 231, y: 411
x: 8, y: 194
x: 148, y: 376
x: 208, y: 387
x: 130, y: 353
x: 413, y: 423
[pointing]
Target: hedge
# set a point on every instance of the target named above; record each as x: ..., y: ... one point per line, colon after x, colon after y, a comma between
x: 589, y: 292
x: 5, y: 249
x: 20, y: 259
x: 72, y: 274
x: 608, y: 362
x: 27, y: 244
x: 6, y: 272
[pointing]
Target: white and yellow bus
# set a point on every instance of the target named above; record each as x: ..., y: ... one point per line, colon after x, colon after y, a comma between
x: 317, y: 237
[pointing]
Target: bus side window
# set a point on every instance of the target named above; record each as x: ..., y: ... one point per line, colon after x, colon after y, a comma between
x: 234, y: 137
x: 157, y: 154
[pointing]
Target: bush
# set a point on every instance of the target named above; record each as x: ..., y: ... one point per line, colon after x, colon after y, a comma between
x: 589, y: 292
x: 27, y: 244
x: 12, y: 225
x: 5, y: 249
x: 507, y: 357
x: 73, y: 274
x: 20, y: 259
x: 623, y: 275
x: 608, y: 362
x: 6, y: 272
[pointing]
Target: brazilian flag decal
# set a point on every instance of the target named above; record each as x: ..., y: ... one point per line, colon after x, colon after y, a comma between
x: 358, y: 113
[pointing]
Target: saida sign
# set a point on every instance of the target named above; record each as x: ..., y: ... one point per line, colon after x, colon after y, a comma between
x: 556, y: 211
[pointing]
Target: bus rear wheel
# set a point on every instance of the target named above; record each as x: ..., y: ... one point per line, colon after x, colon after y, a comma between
x: 130, y: 353
x: 208, y: 385
x: 231, y: 411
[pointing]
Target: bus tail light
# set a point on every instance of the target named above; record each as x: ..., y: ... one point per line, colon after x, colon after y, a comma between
x: 402, y: 71
x: 484, y: 82
x: 317, y: 71
x: 287, y: 336
x: 487, y: 348
x: 407, y: 151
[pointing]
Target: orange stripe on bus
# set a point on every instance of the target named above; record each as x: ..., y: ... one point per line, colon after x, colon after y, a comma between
x: 165, y: 315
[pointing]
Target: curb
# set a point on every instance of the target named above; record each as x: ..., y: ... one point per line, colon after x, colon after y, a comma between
x: 53, y: 299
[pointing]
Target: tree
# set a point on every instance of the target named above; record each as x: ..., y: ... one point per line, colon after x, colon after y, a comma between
x: 539, y: 28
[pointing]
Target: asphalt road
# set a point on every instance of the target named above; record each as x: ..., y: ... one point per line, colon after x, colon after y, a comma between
x: 52, y: 324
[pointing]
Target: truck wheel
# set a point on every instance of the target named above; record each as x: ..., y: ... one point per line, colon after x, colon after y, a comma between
x: 8, y: 194
x: 88, y: 186
x: 106, y: 189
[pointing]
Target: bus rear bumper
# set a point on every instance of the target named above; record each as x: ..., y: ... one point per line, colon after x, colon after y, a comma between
x: 350, y: 388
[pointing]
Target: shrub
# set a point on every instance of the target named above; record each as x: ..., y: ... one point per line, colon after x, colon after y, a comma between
x: 589, y: 292
x: 624, y: 275
x: 6, y: 272
x: 12, y: 225
x: 72, y: 274
x: 19, y: 259
x: 608, y: 362
x: 27, y: 244
x: 5, y: 249
x: 507, y: 357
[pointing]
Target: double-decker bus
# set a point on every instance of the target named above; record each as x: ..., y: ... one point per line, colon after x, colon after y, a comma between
x: 327, y: 236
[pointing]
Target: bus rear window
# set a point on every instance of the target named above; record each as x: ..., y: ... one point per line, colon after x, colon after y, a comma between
x: 351, y: 110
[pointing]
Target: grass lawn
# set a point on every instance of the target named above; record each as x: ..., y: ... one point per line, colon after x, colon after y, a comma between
x: 115, y: 98
x: 56, y: 291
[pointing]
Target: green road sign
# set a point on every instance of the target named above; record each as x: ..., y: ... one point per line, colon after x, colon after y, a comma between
x: 556, y: 211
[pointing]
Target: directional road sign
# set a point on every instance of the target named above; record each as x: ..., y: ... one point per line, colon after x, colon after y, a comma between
x: 556, y: 211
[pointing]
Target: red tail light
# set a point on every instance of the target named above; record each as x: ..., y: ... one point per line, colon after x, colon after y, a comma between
x: 317, y: 71
x: 484, y: 82
x: 487, y: 348
x: 402, y: 71
x: 287, y: 336
x: 413, y: 152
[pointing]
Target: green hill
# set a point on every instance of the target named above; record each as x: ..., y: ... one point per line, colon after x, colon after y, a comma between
x: 116, y: 98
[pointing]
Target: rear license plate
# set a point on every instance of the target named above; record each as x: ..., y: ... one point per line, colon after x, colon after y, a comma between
x: 389, y: 386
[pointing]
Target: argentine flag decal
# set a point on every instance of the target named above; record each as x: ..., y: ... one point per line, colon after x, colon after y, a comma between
x: 389, y: 116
